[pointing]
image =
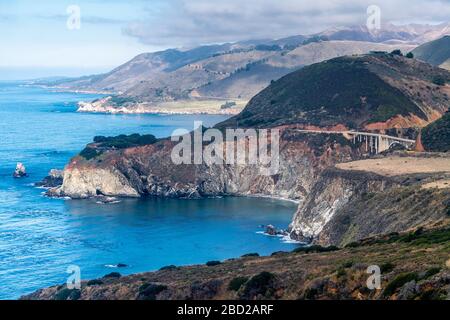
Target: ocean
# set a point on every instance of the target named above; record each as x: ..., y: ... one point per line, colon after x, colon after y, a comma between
x: 41, y: 237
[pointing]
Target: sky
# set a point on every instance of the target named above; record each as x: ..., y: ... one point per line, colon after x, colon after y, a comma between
x: 37, y: 42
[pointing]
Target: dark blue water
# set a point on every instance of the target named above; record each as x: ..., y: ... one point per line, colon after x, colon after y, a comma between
x: 41, y: 237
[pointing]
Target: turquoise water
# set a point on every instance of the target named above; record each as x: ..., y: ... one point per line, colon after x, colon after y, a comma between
x: 41, y: 237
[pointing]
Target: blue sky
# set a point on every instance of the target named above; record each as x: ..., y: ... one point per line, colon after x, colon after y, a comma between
x: 36, y: 41
x: 35, y: 37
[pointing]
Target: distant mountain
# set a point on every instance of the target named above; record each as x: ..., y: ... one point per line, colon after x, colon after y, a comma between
x: 376, y: 91
x: 436, y: 52
x: 389, y: 33
x: 238, y: 70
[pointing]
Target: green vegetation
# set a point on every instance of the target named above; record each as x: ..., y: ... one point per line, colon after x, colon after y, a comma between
x: 113, y: 275
x: 315, y: 39
x: 265, y: 47
x: 213, y: 263
x: 315, y: 249
x: 338, y: 91
x: 397, y: 52
x: 171, y: 267
x: 149, y: 291
x: 237, y: 283
x: 250, y: 255
x: 436, y: 136
x: 261, y: 284
x: 439, y: 80
x: 95, y: 282
x: 387, y: 267
x: 431, y: 272
x: 123, y: 141
x: 102, y: 143
x: 410, y: 55
x: 398, y: 282
x: 68, y: 294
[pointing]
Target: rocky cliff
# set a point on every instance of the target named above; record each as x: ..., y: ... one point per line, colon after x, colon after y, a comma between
x: 149, y: 171
x: 377, y: 92
x: 345, y: 206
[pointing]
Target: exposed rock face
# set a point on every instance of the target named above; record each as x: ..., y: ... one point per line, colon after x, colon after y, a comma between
x: 346, y: 206
x: 331, y: 193
x: 20, y: 171
x: 93, y: 182
x: 54, y: 179
x: 150, y: 171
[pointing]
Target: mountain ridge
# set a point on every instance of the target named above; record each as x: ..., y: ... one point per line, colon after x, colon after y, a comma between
x: 237, y: 70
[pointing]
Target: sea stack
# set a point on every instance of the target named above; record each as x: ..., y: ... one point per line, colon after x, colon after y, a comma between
x: 20, y: 171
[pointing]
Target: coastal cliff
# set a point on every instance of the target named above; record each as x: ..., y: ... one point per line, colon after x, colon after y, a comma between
x: 149, y: 171
x: 378, y: 93
x: 350, y: 205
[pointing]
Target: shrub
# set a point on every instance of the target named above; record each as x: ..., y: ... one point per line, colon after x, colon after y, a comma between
x: 149, y: 291
x: 311, y: 293
x: 250, y: 255
x: 68, y: 294
x: 213, y: 263
x: 89, y: 153
x: 94, y: 282
x: 387, y: 267
x: 431, y: 272
x: 410, y: 55
x: 171, y: 267
x: 398, y: 282
x: 261, y: 284
x: 439, y: 80
x: 397, y: 52
x: 236, y: 283
x: 347, y: 264
x: 119, y: 142
x: 113, y: 275
x: 315, y: 249
x: 341, y: 272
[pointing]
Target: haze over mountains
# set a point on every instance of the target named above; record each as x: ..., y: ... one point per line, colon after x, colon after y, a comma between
x: 436, y: 52
x: 240, y: 70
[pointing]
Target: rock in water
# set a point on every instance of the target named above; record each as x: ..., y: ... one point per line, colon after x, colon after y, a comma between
x: 53, y: 180
x: 20, y: 171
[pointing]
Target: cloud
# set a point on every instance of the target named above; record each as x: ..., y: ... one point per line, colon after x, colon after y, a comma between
x: 190, y: 22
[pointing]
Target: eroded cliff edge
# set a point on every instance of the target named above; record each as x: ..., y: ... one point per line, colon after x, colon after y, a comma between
x: 350, y: 205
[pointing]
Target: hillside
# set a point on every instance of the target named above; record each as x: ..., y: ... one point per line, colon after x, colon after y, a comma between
x: 436, y: 136
x: 376, y: 91
x: 414, y: 265
x: 232, y: 71
x: 436, y: 52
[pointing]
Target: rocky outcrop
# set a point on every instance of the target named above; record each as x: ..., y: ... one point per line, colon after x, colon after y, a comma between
x: 91, y: 182
x: 20, y: 171
x: 346, y: 206
x: 150, y: 171
x: 53, y: 180
x: 331, y: 193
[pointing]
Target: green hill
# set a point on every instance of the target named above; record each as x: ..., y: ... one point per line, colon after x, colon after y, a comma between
x: 436, y: 136
x: 353, y: 90
x: 435, y: 52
